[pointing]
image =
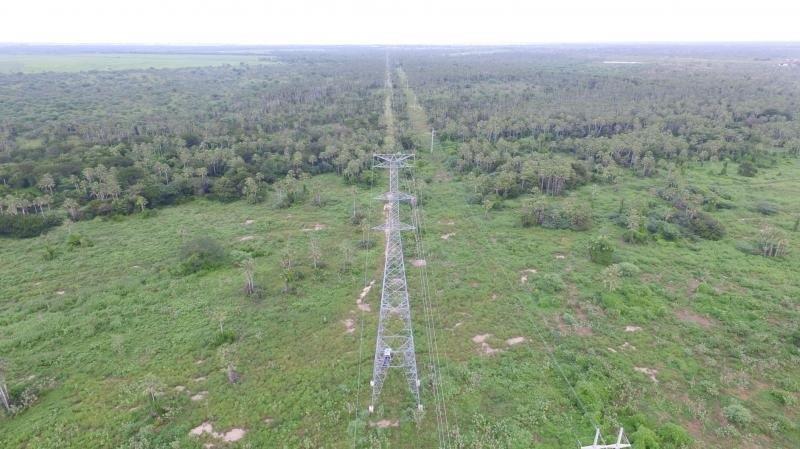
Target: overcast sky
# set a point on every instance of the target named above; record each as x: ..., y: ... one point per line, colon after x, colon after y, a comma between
x: 396, y: 22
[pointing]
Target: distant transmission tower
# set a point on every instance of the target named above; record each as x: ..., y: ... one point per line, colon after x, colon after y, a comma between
x: 395, y: 343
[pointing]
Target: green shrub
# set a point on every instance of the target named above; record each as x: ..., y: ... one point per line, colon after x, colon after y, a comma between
x: 50, y: 252
x: 675, y: 436
x: 707, y: 227
x: 550, y: 283
x: 747, y: 168
x: 645, y: 438
x: 633, y: 236
x: 669, y: 231
x: 201, y: 254
x: 366, y: 244
x: 577, y: 217
x: 628, y: 269
x: 767, y: 208
x: 738, y: 414
x: 28, y: 225
x: 222, y: 338
x: 76, y: 240
x: 600, y: 250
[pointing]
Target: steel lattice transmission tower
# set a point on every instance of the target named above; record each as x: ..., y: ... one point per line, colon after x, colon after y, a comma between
x: 395, y: 343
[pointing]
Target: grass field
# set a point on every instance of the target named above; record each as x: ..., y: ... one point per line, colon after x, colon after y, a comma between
x: 66, y: 62
x: 97, y: 327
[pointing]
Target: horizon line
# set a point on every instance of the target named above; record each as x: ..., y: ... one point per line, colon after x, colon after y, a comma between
x: 460, y: 44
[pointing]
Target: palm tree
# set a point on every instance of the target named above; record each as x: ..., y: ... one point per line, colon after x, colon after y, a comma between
x: 71, y: 207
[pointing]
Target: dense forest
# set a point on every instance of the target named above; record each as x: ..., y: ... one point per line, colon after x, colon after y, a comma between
x: 100, y: 143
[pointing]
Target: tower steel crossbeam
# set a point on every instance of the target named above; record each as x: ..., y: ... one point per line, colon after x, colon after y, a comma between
x: 394, y: 347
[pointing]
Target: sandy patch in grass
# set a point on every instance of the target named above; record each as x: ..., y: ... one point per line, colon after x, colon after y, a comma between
x: 384, y: 423
x: 206, y: 427
x: 200, y: 379
x: 419, y: 262
x: 632, y: 328
x: 180, y: 388
x: 249, y: 222
x: 199, y: 396
x: 349, y: 326
x: 524, y: 278
x: 559, y: 256
x: 688, y: 316
x: 485, y: 348
x: 316, y: 227
x: 649, y: 372
x: 360, y: 301
x: 60, y: 292
x: 480, y: 338
x: 694, y: 284
x: 627, y: 345
x: 448, y: 235
x: 612, y: 350
x: 199, y: 362
x: 515, y: 341
x: 246, y: 238
x: 234, y: 435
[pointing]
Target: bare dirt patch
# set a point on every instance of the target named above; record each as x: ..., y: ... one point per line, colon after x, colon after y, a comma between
x: 200, y: 379
x: 364, y: 292
x: 234, y: 435
x: 249, y: 222
x: 349, y: 326
x: 688, y: 316
x: 692, y: 287
x: 632, y: 328
x: 199, y: 396
x: 649, y: 372
x: 60, y: 292
x: 419, y: 262
x: 485, y: 348
x: 524, y: 278
x: 515, y: 341
x: 316, y: 227
x: 180, y: 388
x: 246, y: 238
x: 384, y: 423
x: 559, y: 256
x: 206, y: 427
x: 612, y: 350
x: 448, y: 235
x: 480, y: 338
